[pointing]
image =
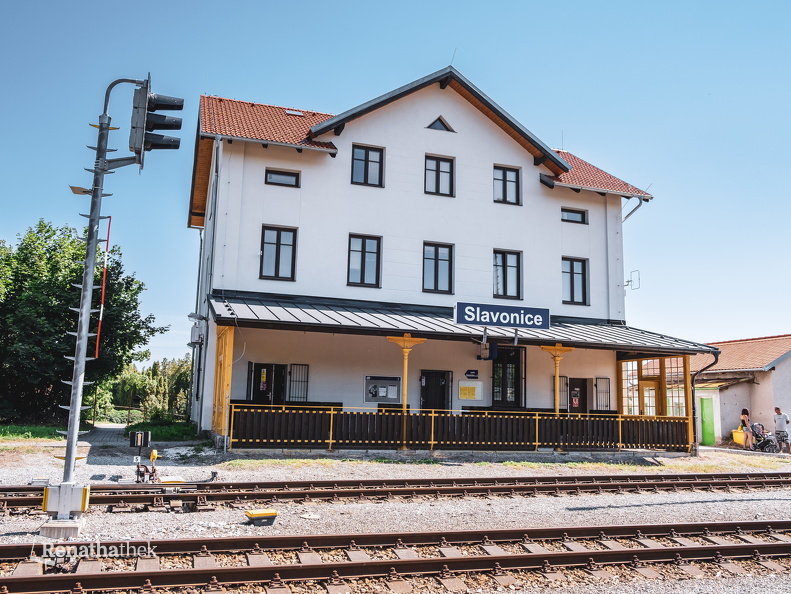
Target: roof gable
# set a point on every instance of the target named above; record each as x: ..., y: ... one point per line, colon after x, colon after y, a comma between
x: 450, y: 77
x: 231, y: 119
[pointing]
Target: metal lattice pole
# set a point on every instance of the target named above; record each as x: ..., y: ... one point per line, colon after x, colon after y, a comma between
x: 100, y: 168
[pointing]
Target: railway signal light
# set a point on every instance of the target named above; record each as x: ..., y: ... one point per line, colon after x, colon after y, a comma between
x: 145, y: 120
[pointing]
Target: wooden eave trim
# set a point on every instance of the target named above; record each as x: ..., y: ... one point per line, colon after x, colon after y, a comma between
x: 506, y: 127
x: 201, y: 176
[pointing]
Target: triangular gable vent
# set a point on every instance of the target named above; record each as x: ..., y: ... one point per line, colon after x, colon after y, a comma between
x: 440, y: 124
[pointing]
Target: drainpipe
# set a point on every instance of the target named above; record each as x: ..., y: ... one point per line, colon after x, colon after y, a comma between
x: 634, y: 210
x: 695, y: 375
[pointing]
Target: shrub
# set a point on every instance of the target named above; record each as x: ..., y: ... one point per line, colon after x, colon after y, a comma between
x: 166, y: 431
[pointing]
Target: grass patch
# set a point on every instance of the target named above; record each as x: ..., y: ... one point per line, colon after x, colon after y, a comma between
x: 165, y: 430
x: 19, y: 432
x: 418, y: 461
x: 523, y: 464
x: 244, y: 464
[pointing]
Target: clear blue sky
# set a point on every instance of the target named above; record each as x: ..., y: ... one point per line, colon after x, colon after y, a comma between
x: 687, y: 99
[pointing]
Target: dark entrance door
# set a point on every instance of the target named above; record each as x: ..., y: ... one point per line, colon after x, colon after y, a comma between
x: 507, y: 377
x: 578, y: 395
x: 269, y: 383
x: 435, y: 389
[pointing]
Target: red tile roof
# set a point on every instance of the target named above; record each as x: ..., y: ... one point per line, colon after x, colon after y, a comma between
x: 256, y: 121
x: 747, y: 354
x: 587, y: 176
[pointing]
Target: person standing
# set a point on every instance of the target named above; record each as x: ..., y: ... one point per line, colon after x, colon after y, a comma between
x: 747, y: 429
x: 781, y: 429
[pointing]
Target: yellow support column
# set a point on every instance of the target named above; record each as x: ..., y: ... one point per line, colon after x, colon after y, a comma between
x: 406, y: 342
x: 557, y: 353
x: 222, y: 380
x: 688, y: 393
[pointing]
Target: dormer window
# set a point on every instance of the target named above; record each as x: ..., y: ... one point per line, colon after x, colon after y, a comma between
x: 440, y: 124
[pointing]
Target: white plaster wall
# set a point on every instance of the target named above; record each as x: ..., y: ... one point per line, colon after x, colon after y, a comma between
x: 732, y: 401
x: 781, y: 385
x: 327, y: 208
x: 763, y: 401
x: 338, y: 364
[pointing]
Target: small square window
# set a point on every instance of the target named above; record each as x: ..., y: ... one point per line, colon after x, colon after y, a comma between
x: 571, y: 215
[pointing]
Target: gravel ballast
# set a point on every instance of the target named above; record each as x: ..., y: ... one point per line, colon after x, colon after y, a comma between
x: 23, y: 463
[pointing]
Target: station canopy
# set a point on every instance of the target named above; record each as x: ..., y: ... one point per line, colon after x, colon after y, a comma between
x: 341, y: 316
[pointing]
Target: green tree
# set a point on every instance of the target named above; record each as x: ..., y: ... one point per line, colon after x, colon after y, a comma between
x: 36, y: 292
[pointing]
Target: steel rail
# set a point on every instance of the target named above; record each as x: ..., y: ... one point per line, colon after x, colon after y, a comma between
x: 544, y: 560
x: 17, y: 551
x: 107, y: 494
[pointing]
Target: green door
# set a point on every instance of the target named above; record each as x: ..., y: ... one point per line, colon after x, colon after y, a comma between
x: 707, y: 421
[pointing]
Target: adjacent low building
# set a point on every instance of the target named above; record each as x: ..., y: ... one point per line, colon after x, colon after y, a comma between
x: 752, y: 373
x: 420, y: 271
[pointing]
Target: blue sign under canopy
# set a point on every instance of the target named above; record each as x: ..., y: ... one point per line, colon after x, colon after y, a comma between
x: 507, y: 316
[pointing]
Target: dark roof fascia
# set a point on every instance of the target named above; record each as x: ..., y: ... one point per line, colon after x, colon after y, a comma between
x: 551, y: 183
x: 622, y: 355
x: 443, y: 75
x: 332, y: 301
x: 216, y: 137
x: 646, y: 352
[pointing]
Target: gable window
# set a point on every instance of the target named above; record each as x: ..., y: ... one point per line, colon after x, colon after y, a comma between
x: 282, y: 178
x: 278, y: 247
x: 507, y: 274
x: 439, y: 176
x: 364, y: 260
x: 440, y: 124
x: 506, y: 185
x: 575, y: 281
x: 437, y: 268
x: 572, y: 215
x: 367, y: 165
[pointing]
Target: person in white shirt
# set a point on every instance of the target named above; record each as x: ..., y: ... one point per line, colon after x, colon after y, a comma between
x: 781, y: 429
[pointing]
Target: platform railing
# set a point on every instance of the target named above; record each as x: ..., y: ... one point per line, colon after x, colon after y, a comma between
x: 295, y: 426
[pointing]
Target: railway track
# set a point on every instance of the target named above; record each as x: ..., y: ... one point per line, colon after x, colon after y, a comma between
x: 197, y: 496
x: 493, y: 557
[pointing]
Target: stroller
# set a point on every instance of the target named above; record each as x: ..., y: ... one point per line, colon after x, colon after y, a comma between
x: 764, y: 441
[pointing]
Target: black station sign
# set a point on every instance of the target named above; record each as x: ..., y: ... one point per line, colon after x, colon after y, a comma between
x: 508, y: 316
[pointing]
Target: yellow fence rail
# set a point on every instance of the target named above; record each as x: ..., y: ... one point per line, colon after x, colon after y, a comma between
x: 331, y: 427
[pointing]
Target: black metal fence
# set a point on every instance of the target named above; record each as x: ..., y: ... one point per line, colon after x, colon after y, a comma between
x: 262, y: 426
